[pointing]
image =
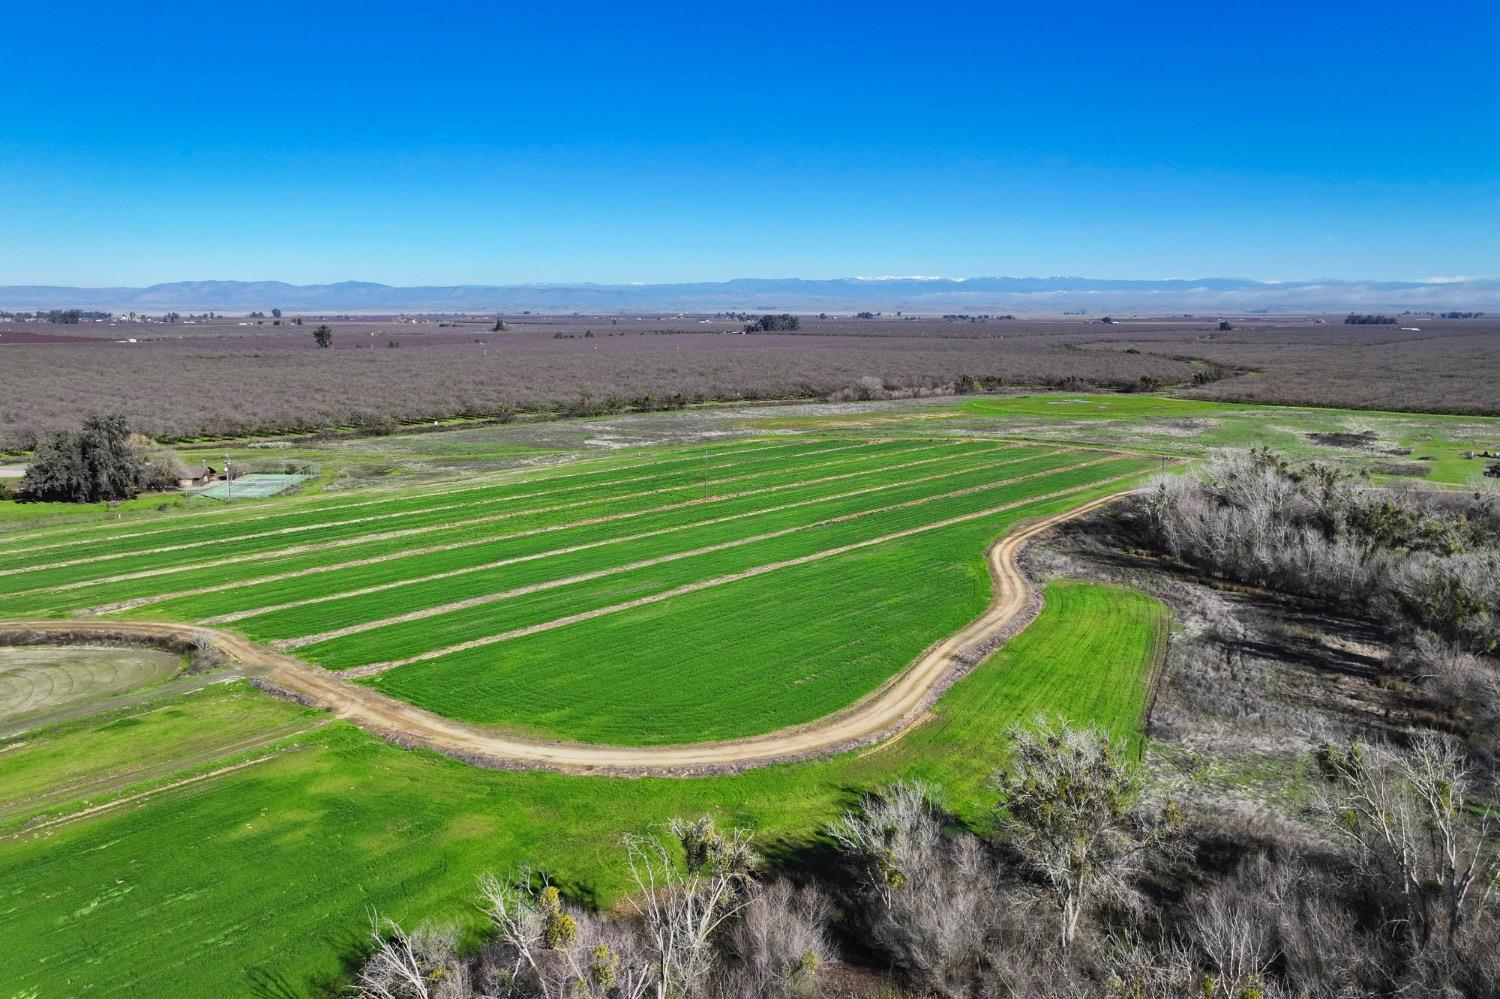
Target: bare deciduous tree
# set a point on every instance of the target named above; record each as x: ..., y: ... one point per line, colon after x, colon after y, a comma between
x: 1068, y: 807
x: 418, y: 965
x: 1410, y: 830
x: 926, y: 896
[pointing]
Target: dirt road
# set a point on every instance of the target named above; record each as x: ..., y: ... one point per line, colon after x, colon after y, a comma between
x: 882, y: 714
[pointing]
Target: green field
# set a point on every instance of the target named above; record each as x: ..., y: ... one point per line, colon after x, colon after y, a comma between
x: 259, y: 880
x: 213, y: 841
x: 1425, y: 447
x: 688, y: 595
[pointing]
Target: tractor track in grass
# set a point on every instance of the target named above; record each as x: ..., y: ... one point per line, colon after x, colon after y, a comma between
x: 888, y: 711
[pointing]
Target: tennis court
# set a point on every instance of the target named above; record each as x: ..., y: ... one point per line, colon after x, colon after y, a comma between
x: 254, y: 486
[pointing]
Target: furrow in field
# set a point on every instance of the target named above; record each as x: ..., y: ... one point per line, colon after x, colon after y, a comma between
x: 366, y: 497
x: 419, y: 511
x: 490, y: 540
x: 386, y: 536
x: 397, y: 641
x: 488, y: 598
x: 241, y: 614
x: 374, y: 669
x: 54, y: 575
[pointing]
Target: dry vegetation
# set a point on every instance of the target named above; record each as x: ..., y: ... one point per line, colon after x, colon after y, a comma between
x: 182, y: 381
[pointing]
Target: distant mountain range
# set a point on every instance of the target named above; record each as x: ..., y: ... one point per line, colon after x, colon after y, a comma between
x: 909, y: 294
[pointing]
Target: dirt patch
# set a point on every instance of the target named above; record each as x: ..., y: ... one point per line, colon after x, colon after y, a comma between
x: 1343, y: 438
x: 37, y: 681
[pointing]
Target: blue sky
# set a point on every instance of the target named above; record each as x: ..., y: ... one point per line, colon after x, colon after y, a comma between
x: 498, y: 142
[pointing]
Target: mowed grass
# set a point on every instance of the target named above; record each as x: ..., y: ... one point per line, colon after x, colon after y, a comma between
x: 423, y: 636
x: 261, y: 880
x: 613, y: 542
x: 409, y: 512
x: 811, y: 537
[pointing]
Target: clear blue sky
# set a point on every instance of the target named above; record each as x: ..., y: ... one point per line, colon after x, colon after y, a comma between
x: 506, y: 142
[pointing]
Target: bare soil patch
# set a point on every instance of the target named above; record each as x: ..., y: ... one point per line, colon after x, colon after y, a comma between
x: 37, y: 680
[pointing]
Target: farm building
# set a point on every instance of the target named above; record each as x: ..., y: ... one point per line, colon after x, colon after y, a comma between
x: 200, y: 475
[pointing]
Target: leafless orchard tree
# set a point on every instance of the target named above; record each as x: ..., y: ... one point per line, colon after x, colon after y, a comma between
x: 1069, y: 807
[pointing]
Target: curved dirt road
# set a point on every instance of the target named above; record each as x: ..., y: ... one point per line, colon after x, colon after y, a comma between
x: 885, y: 712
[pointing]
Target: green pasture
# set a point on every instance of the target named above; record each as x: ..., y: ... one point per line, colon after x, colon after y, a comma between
x: 411, y: 518
x: 1158, y: 424
x: 147, y: 571
x: 405, y: 638
x: 261, y: 880
x: 536, y: 557
x: 885, y: 537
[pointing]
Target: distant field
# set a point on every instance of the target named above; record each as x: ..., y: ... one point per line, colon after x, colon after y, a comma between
x: 174, y: 892
x: 1390, y: 446
x: 690, y: 595
x: 187, y: 381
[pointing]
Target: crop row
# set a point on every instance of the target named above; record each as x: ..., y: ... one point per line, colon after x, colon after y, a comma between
x: 471, y: 571
x: 737, y: 660
x: 528, y: 480
x: 477, y: 522
x: 192, y: 574
x: 418, y: 508
x: 400, y: 640
x: 510, y: 532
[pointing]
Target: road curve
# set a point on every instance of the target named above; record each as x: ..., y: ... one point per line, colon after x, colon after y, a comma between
x: 886, y: 712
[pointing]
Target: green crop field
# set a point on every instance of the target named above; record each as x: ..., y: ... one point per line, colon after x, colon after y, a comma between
x: 171, y: 893
x: 658, y: 596
x: 573, y: 604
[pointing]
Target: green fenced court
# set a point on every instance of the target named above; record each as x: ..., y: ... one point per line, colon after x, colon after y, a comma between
x: 256, y: 486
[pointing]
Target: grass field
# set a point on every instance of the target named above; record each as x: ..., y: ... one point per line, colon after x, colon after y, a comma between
x: 1431, y: 447
x: 1137, y: 421
x: 218, y: 842
x: 257, y: 875
x: 687, y: 595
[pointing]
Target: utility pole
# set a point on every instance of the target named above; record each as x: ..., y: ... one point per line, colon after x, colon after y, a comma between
x: 228, y: 479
